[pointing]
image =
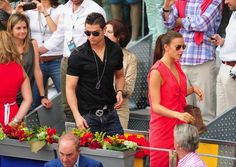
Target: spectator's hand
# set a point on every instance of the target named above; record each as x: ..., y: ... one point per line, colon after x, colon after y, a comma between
x: 40, y: 7
x: 186, y: 117
x: 119, y: 100
x: 81, y: 123
x: 12, y: 124
x: 42, y: 50
x: 216, y: 39
x: 168, y: 4
x: 19, y: 7
x: 178, y: 22
x: 46, y: 103
x: 198, y: 92
x: 6, y: 6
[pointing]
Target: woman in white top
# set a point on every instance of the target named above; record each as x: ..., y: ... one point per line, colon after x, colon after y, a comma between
x: 43, y: 22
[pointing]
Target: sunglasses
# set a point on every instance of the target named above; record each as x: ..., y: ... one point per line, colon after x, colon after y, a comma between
x: 178, y: 47
x: 94, y: 33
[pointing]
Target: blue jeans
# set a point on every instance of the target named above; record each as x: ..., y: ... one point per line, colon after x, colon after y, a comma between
x: 109, y: 122
x: 49, y: 69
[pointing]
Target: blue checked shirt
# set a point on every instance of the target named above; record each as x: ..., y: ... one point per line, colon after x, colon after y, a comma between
x: 208, y: 23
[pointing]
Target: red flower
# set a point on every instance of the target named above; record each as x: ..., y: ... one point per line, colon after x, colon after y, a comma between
x: 16, y: 132
x: 86, y: 139
x: 51, y: 131
x: 141, y: 141
x: 108, y: 140
x: 95, y: 145
x: 51, y: 140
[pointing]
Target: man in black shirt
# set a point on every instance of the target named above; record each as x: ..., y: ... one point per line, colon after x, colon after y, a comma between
x: 89, y: 81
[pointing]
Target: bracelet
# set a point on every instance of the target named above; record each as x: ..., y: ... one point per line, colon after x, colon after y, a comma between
x: 119, y: 91
x: 42, y: 97
x: 46, y: 15
x: 16, y: 120
x: 165, y: 10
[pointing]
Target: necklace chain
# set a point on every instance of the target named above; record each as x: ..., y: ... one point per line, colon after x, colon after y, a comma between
x: 43, y: 32
x: 98, y: 84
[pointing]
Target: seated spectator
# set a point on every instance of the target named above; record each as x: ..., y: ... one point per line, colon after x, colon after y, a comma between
x: 69, y: 152
x: 119, y: 33
x: 186, y: 139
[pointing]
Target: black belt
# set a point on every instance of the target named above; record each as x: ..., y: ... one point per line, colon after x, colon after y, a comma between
x: 102, y: 111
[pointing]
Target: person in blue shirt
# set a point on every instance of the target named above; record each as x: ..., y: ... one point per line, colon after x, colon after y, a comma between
x: 69, y: 154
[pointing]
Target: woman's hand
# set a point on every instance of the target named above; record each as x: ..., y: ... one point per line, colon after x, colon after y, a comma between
x: 40, y: 7
x: 186, y: 117
x: 46, y: 103
x: 6, y: 6
x: 198, y: 92
x: 14, y: 122
x: 19, y: 7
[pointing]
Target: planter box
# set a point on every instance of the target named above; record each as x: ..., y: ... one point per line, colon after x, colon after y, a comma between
x: 110, y: 158
x: 14, y: 148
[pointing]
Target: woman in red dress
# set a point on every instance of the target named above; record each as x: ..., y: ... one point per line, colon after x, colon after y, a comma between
x: 167, y: 90
x: 13, y: 79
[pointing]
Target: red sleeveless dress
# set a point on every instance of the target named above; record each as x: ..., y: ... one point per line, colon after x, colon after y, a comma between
x: 161, y: 128
x: 12, y: 76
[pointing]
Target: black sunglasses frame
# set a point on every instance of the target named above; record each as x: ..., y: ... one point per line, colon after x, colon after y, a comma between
x: 178, y: 47
x: 94, y: 33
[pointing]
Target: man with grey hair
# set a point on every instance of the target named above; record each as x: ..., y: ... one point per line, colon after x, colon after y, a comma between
x: 186, y: 139
x: 69, y: 152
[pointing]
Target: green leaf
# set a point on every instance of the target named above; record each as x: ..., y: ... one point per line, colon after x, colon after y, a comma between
x: 37, y: 145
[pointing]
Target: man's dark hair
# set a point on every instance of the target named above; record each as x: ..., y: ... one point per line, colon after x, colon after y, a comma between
x: 95, y: 18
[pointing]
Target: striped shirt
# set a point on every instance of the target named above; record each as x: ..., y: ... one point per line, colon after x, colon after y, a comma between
x: 191, y: 160
x: 208, y: 23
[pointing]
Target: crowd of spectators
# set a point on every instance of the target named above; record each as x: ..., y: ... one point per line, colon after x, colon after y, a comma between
x: 48, y: 38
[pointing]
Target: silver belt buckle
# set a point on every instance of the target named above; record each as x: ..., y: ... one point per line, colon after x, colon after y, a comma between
x: 99, y: 113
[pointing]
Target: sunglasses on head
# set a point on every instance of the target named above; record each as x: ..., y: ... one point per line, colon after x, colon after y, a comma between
x: 178, y: 47
x: 94, y: 33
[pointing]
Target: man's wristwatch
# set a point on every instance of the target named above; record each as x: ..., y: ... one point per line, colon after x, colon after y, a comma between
x: 165, y: 10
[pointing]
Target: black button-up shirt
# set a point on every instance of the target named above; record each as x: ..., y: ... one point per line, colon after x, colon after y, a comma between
x: 81, y: 63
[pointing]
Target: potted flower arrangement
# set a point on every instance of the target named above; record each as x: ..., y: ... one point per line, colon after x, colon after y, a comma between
x: 20, y: 141
x: 98, y: 145
x: 117, y: 150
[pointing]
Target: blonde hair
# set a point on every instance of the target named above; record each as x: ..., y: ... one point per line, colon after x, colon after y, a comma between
x: 8, y: 50
x: 13, y: 20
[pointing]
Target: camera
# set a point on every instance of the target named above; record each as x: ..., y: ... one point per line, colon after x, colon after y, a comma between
x: 29, y: 5
x: 232, y: 73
